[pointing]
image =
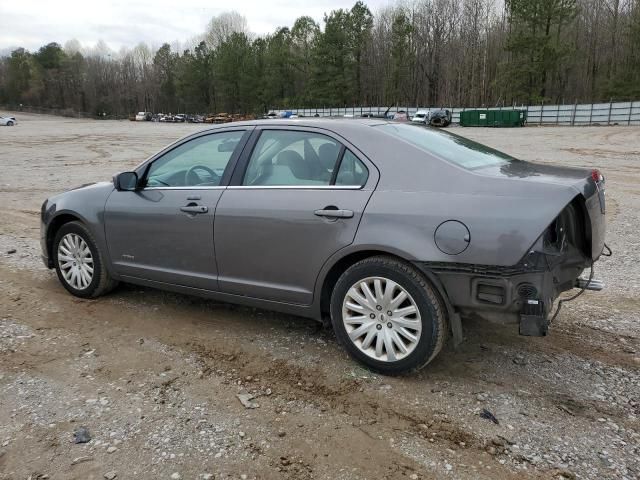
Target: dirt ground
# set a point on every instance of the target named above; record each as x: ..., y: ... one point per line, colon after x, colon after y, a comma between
x: 154, y: 376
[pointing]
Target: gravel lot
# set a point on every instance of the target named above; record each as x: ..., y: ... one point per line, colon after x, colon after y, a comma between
x: 155, y: 377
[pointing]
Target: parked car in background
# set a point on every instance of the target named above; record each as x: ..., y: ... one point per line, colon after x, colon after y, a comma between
x: 222, y: 117
x: 440, y: 118
x: 421, y: 116
x: 239, y: 117
x: 8, y: 121
x: 400, y: 116
x: 391, y: 230
x: 144, y: 116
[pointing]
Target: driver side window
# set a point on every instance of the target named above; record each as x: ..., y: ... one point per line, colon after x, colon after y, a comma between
x: 197, y: 163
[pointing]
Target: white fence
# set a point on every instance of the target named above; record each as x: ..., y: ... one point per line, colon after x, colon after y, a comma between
x: 613, y: 113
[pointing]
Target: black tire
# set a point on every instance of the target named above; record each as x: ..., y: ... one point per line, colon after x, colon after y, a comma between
x: 9, y: 123
x: 430, y: 306
x: 101, y: 282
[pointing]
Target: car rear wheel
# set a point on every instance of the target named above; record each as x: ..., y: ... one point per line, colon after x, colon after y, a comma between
x: 10, y: 123
x: 387, y: 315
x: 78, y: 262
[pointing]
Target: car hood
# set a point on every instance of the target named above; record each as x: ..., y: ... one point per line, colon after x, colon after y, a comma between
x: 84, y: 185
x: 82, y: 190
x: 91, y: 186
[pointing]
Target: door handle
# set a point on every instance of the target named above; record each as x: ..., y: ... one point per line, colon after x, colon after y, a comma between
x: 194, y: 209
x: 334, y: 213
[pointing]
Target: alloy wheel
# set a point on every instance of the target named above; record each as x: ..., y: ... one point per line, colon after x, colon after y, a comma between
x: 381, y: 319
x: 75, y: 260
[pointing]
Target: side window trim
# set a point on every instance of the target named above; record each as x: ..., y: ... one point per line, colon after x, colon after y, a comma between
x: 256, y: 140
x: 337, y: 172
x: 240, y: 169
x: 226, y: 176
x: 336, y: 167
x: 243, y: 162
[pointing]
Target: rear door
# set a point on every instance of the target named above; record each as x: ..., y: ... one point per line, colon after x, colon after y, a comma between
x: 164, y: 232
x: 296, y: 198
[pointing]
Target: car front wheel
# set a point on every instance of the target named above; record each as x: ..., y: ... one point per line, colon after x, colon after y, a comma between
x: 387, y: 315
x: 10, y: 123
x: 78, y: 262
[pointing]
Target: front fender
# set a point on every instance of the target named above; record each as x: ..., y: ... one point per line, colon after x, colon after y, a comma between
x: 86, y: 205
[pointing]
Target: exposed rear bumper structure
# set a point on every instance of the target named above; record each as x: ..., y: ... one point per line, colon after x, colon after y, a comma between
x: 525, y: 293
x: 522, y: 295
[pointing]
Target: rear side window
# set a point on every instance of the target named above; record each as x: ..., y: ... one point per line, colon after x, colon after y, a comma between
x: 292, y: 158
x: 449, y: 147
x: 352, y: 171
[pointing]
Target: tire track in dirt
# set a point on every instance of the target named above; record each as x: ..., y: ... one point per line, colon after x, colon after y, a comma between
x: 344, y: 397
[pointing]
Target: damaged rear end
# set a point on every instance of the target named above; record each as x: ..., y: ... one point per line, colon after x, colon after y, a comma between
x: 567, y: 248
x: 555, y: 263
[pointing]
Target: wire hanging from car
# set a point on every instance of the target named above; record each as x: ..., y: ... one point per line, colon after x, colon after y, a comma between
x: 560, y: 302
x: 608, y: 254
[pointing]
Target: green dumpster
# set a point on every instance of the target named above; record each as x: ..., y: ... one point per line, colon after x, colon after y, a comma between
x: 493, y: 118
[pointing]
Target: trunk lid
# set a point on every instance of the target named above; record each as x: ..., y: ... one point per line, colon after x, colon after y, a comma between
x: 589, y: 183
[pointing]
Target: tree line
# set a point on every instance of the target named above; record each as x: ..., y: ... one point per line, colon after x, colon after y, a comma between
x: 423, y: 52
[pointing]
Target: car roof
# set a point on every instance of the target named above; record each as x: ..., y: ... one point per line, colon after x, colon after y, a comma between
x: 337, y: 125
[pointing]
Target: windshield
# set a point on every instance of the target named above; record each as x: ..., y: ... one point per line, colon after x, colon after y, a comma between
x: 448, y: 146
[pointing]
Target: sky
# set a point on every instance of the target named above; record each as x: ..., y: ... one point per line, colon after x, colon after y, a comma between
x: 121, y: 23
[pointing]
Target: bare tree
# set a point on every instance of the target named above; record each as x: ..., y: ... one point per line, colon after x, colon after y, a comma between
x: 220, y: 28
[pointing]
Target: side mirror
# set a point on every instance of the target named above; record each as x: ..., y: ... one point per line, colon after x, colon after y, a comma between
x: 125, y: 181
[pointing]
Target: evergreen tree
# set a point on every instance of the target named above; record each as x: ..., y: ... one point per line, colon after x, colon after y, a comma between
x: 536, y: 44
x: 164, y: 63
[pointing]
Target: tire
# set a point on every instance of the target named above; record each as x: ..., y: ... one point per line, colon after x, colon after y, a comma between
x: 9, y: 123
x: 399, y: 276
x: 68, y: 238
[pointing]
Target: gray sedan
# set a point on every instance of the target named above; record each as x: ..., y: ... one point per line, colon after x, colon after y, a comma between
x: 392, y: 231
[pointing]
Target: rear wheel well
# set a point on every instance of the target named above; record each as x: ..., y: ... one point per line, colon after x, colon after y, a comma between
x: 53, y: 228
x: 338, y: 269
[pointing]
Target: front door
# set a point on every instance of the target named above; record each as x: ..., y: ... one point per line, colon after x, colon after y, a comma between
x: 164, y: 231
x: 299, y: 200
